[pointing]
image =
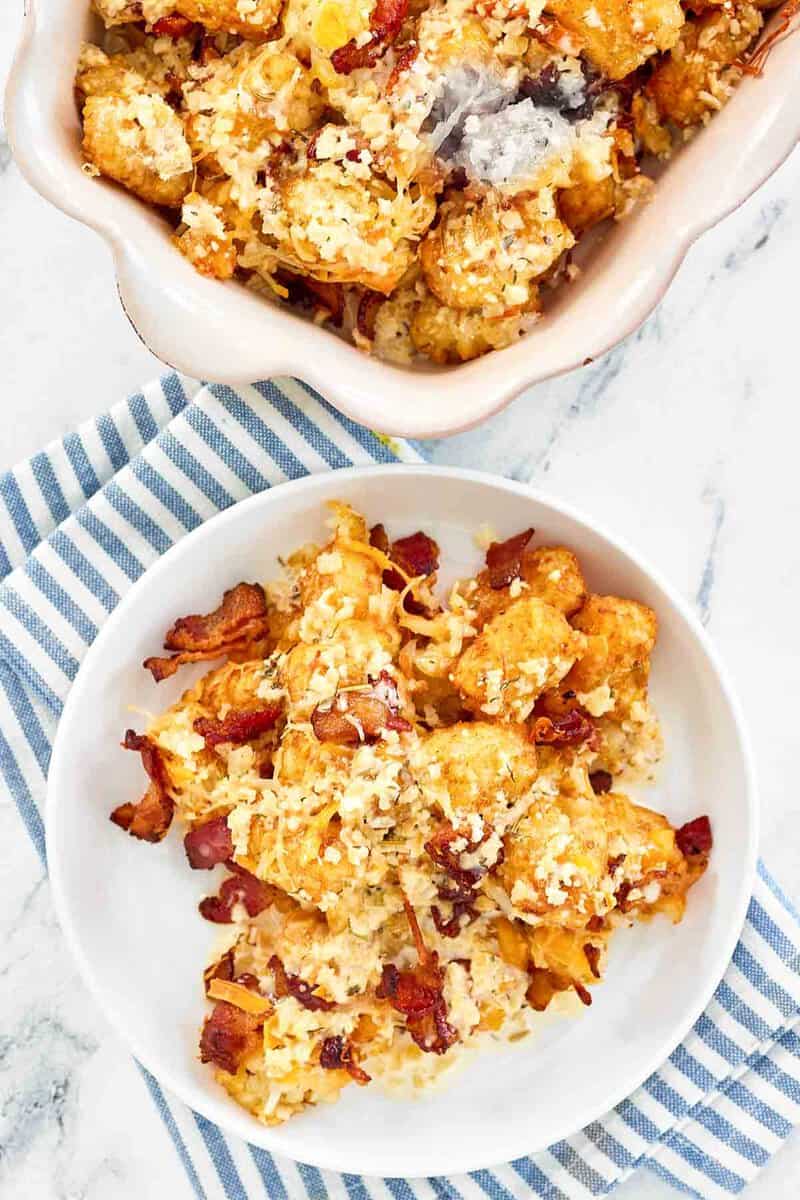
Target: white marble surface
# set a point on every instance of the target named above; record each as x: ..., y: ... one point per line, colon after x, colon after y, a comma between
x: 684, y: 440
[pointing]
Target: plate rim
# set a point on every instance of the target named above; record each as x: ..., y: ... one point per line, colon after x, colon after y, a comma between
x: 242, y: 1124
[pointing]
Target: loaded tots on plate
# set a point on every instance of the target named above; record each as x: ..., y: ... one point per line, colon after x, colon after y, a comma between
x: 414, y: 172
x: 417, y: 805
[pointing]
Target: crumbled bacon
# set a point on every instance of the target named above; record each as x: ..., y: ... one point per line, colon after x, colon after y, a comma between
x: 440, y: 849
x: 237, y: 726
x: 149, y: 818
x: 601, y: 781
x: 417, y: 555
x: 337, y: 1054
x: 209, y: 844
x: 240, y: 605
x: 570, y: 730
x: 695, y: 838
x: 223, y: 968
x: 205, y: 51
x: 353, y: 717
x: 239, y: 619
x: 403, y: 62
x: 239, y: 888
x: 592, y: 955
x: 164, y: 666
x: 174, y: 26
x: 504, y: 559
x: 293, y: 985
x: 584, y: 993
x: 385, y: 23
x: 418, y: 994
x: 595, y: 924
x: 453, y: 927
x: 229, y: 1036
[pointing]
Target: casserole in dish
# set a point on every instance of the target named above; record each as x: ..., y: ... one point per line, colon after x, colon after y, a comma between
x: 222, y: 332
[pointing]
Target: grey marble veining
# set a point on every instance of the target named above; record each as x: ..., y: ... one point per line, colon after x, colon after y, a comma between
x: 684, y: 441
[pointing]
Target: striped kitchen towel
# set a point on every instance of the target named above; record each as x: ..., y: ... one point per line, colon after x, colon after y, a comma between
x: 79, y: 522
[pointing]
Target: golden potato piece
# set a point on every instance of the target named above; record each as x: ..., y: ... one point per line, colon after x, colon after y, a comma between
x: 699, y: 76
x: 206, y: 241
x: 344, y: 572
x: 613, y: 671
x: 250, y: 18
x: 587, y: 204
x: 519, y: 654
x: 139, y: 142
x: 241, y: 106
x: 451, y: 335
x: 339, y: 222
x: 552, y: 573
x: 475, y: 767
x: 556, y: 861
x: 357, y: 651
x: 619, y: 35
x: 488, y: 252
x: 579, y: 855
x: 305, y: 761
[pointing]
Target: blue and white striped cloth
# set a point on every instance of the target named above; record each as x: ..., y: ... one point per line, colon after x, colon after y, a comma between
x: 79, y: 522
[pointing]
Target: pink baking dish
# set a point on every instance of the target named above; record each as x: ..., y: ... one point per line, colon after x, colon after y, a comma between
x: 222, y: 332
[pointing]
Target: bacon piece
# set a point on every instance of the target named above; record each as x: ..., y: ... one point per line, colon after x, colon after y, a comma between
x: 595, y: 924
x: 584, y: 993
x: 404, y: 60
x: 368, y: 307
x: 416, y: 555
x: 151, y: 817
x: 229, y: 1036
x: 223, y: 968
x: 205, y: 51
x: 695, y: 839
x: 592, y: 955
x: 209, y: 844
x: 237, y: 726
x: 174, y: 26
x: 164, y: 667
x: 418, y: 994
x: 570, y: 730
x: 337, y: 1054
x: 239, y: 619
x: 385, y: 23
x: 293, y: 985
x: 239, y: 888
x: 601, y: 781
x: 441, y: 850
x: 621, y: 895
x: 353, y: 717
x: 504, y: 559
x: 453, y: 927
x: 240, y: 606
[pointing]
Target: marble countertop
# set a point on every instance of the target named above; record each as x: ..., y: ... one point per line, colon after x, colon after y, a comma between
x: 684, y: 440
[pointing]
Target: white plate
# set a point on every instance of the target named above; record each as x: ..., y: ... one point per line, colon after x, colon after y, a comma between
x: 129, y: 910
